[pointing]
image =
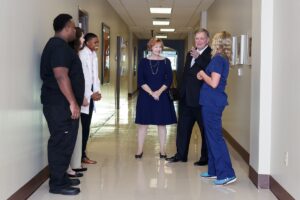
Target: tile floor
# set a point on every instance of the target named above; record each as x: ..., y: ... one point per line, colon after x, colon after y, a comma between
x: 119, y: 176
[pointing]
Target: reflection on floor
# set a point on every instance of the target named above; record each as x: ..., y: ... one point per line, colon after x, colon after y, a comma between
x: 119, y: 176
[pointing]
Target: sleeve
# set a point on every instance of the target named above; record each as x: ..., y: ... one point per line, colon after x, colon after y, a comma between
x: 87, y: 88
x: 217, y: 64
x: 168, y: 74
x: 60, y: 58
x: 140, y: 79
x: 96, y: 81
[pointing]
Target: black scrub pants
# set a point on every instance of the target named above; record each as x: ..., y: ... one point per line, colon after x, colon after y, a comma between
x: 86, y: 123
x: 63, y: 133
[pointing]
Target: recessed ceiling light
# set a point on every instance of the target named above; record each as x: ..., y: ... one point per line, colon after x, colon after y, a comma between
x: 167, y: 29
x: 160, y: 10
x: 159, y: 23
x: 161, y: 36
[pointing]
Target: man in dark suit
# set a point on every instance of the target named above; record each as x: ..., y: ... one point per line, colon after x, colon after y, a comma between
x: 189, y: 109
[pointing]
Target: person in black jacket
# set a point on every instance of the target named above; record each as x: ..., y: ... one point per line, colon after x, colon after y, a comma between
x: 189, y: 109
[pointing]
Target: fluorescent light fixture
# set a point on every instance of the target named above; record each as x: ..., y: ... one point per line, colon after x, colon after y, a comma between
x: 161, y: 36
x: 160, y: 10
x: 161, y: 23
x: 167, y: 30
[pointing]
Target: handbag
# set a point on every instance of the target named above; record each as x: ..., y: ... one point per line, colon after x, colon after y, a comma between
x: 174, y: 94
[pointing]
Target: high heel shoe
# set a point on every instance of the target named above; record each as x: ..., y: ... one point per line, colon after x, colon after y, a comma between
x: 138, y: 155
x: 162, y: 156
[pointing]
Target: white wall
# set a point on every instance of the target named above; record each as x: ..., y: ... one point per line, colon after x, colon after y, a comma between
x: 255, y: 84
x: 286, y: 96
x: 223, y: 15
x: 25, y: 30
x: 26, y: 26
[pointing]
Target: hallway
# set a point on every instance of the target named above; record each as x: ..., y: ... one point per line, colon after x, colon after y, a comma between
x: 118, y: 175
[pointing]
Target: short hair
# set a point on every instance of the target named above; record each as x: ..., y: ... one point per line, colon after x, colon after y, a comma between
x: 76, y: 43
x: 221, y: 43
x: 203, y: 30
x: 154, y: 41
x: 60, y: 22
x: 89, y: 36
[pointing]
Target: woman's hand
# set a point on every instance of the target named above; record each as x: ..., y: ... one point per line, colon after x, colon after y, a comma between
x: 156, y: 95
x: 200, y: 75
x: 85, y: 102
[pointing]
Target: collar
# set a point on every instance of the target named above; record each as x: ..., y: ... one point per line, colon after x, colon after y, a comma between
x: 88, y: 50
x: 201, y: 51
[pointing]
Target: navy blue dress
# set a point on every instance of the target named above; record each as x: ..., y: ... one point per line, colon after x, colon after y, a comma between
x: 154, y: 73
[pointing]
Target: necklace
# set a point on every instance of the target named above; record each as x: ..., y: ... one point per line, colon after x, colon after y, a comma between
x: 154, y: 67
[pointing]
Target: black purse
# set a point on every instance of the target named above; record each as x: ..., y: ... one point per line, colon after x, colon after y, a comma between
x: 174, y: 94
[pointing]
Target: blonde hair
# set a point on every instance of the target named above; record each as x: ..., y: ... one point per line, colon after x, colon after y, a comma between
x: 154, y: 41
x: 221, y: 43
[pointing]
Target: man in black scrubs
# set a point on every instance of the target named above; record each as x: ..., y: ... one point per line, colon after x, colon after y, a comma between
x: 61, y: 95
x: 189, y: 109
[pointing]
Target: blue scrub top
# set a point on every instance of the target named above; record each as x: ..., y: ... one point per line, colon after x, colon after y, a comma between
x: 215, y: 96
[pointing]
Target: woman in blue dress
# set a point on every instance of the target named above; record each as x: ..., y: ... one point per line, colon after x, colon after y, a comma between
x: 154, y: 106
x: 213, y: 100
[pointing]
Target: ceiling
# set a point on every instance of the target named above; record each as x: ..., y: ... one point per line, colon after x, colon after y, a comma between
x: 184, y: 17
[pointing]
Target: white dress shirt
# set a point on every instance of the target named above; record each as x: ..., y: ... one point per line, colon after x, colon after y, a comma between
x: 89, y: 62
x: 200, y: 52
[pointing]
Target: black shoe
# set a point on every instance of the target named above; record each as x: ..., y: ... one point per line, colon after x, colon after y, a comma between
x: 201, y: 163
x: 162, y: 156
x: 76, y: 175
x: 83, y: 169
x: 175, y: 159
x: 138, y: 156
x: 65, y: 191
x: 74, y: 182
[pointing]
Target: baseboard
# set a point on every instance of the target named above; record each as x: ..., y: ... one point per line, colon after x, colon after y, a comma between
x: 31, y: 186
x: 261, y: 181
x: 243, y: 152
x: 279, y: 191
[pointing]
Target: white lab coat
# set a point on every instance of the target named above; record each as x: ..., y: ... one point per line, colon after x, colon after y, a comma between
x: 89, y: 62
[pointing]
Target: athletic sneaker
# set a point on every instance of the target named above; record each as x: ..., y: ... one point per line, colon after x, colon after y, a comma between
x: 225, y: 181
x: 206, y: 175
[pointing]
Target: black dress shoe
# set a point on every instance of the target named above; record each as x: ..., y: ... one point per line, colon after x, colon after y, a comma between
x: 65, y: 191
x: 162, y: 156
x: 175, y: 159
x: 201, y: 163
x: 138, y: 156
x: 76, y: 175
x: 74, y: 182
x: 83, y: 169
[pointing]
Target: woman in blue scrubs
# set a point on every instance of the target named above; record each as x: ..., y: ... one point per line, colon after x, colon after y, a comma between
x: 213, y: 100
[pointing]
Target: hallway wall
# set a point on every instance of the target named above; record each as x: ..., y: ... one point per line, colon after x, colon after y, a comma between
x: 286, y: 96
x: 26, y: 27
x: 25, y: 30
x: 101, y: 11
x: 223, y: 15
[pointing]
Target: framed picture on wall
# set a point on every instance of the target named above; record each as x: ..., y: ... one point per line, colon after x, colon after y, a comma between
x: 105, y: 54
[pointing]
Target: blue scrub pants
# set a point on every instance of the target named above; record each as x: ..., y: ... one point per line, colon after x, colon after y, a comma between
x: 219, y: 163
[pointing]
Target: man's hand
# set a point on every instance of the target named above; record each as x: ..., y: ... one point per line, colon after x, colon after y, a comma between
x: 194, y: 53
x: 75, y: 110
x: 96, y: 96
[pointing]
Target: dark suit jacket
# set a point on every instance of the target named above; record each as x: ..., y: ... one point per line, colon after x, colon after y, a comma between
x: 189, y: 88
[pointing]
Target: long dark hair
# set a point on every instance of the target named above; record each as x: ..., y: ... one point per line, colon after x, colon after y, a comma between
x: 76, y: 43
